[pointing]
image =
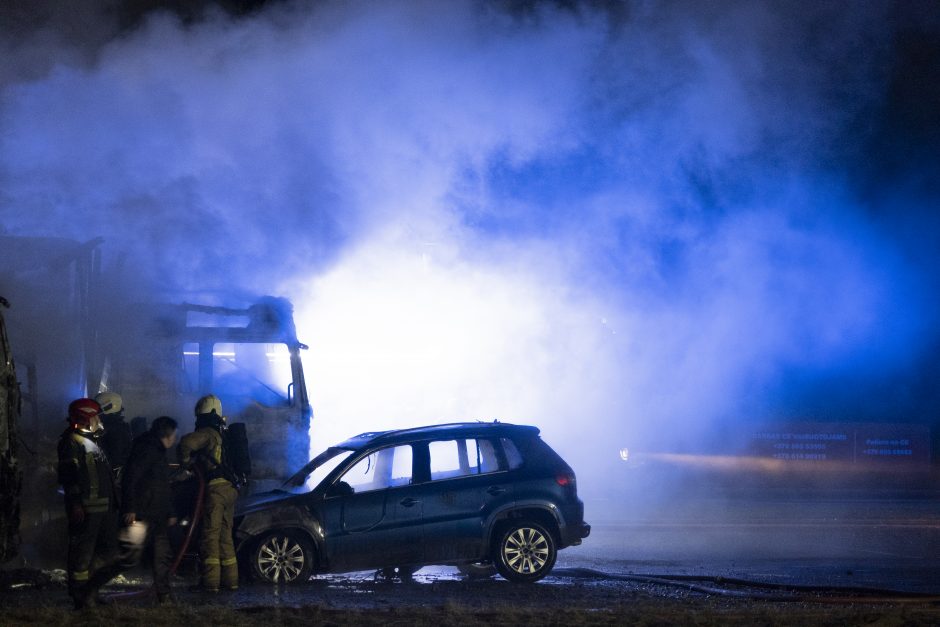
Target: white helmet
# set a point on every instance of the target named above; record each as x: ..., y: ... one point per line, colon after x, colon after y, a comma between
x: 110, y: 402
x: 209, y: 404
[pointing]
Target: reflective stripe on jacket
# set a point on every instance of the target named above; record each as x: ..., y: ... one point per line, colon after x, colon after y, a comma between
x: 84, y: 472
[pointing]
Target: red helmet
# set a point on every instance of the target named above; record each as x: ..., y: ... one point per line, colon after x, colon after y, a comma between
x: 81, y: 411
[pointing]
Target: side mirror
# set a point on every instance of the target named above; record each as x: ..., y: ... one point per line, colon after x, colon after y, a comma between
x: 340, y: 488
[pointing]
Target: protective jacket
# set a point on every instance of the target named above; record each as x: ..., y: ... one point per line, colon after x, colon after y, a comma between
x: 204, y: 445
x: 145, y: 488
x: 84, y: 472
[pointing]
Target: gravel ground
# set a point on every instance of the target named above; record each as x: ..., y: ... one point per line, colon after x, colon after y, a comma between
x: 439, y: 597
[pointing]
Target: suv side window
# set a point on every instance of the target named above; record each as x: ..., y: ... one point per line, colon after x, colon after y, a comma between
x: 513, y: 456
x: 385, y: 468
x: 460, y: 458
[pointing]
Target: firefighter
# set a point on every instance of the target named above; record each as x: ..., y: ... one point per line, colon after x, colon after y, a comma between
x: 116, y: 440
x: 87, y: 482
x: 204, y: 446
x: 147, y: 510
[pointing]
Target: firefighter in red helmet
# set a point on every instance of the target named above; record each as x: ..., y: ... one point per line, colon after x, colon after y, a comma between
x: 90, y: 507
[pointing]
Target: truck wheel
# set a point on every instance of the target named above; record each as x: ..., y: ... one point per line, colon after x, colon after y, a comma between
x: 525, y: 552
x: 282, y: 557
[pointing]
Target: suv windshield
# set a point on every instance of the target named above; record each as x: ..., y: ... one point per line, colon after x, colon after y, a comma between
x: 310, y: 476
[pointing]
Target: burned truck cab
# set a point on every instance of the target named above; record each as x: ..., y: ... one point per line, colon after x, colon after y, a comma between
x: 170, y: 355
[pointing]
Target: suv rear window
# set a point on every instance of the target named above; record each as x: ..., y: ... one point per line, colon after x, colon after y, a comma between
x: 463, y: 457
x: 513, y: 456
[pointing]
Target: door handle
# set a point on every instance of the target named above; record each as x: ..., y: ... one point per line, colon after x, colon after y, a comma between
x: 496, y: 490
x: 409, y: 502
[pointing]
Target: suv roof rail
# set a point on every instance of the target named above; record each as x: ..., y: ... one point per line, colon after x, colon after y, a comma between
x: 440, y: 427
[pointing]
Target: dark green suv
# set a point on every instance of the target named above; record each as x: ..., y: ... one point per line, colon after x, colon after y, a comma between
x: 474, y: 495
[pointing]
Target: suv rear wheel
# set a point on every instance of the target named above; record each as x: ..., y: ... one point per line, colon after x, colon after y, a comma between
x: 282, y: 557
x: 525, y: 552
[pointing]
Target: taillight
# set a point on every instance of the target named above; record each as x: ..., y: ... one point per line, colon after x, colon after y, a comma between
x: 566, y: 479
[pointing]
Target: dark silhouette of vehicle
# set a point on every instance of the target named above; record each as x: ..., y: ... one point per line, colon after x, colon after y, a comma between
x: 475, y: 495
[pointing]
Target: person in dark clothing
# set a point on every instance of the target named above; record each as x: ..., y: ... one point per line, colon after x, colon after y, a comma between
x: 87, y: 481
x: 116, y: 439
x: 146, y: 508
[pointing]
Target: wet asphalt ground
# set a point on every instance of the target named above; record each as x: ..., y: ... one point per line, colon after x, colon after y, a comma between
x: 882, y: 541
x: 840, y: 543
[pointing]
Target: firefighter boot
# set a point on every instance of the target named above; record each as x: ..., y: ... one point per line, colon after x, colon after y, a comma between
x: 209, y: 579
x: 229, y: 574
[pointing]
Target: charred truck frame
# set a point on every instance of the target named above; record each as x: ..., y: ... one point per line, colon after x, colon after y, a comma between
x: 77, y: 333
x: 182, y: 352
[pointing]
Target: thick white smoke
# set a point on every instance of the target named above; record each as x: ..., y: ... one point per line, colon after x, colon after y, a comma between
x: 613, y: 224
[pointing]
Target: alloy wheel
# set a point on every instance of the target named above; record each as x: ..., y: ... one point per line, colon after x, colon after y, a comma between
x: 280, y: 558
x: 526, y: 550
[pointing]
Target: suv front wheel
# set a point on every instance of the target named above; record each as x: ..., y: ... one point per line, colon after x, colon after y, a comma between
x: 525, y: 552
x: 282, y: 557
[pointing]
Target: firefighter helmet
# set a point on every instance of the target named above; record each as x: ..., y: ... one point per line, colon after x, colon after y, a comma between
x: 209, y: 404
x: 110, y: 402
x: 83, y: 411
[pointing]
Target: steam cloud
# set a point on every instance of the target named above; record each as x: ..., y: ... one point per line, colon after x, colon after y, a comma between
x: 627, y: 219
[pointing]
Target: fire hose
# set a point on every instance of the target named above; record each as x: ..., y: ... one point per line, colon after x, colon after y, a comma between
x: 197, y: 515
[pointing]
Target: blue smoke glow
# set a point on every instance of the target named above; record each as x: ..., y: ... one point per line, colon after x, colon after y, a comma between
x: 641, y: 221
